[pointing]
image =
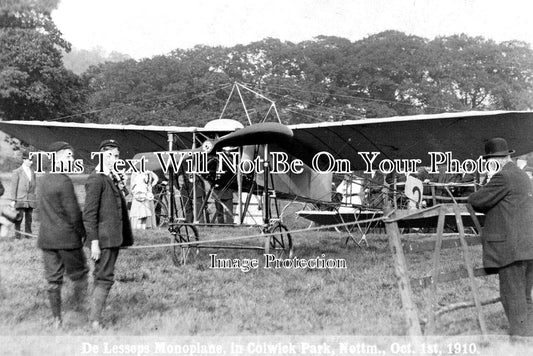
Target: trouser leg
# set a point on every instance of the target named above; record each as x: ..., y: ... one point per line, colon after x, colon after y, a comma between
x: 104, y: 270
x: 28, y: 219
x: 72, y: 263
x: 79, y: 293
x: 529, y: 300
x: 513, y: 296
x: 99, y: 298
x: 18, y: 224
x: 53, y: 271
x: 77, y: 270
x: 54, y: 296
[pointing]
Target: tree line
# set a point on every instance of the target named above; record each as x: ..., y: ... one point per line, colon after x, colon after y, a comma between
x: 323, y: 79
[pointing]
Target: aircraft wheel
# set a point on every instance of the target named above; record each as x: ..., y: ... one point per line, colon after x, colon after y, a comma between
x: 279, y: 241
x: 183, y: 254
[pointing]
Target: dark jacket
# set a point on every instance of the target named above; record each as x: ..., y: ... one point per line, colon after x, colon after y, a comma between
x: 1, y: 189
x: 61, y: 221
x: 106, y: 214
x: 23, y: 189
x: 507, y: 201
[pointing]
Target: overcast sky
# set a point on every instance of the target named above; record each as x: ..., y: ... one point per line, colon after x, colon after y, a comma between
x: 143, y: 28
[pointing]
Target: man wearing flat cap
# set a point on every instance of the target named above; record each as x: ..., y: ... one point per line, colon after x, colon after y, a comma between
x: 23, y: 194
x: 107, y: 224
x: 507, y: 236
x: 61, y: 232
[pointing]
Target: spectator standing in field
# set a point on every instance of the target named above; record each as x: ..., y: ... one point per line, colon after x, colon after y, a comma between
x: 107, y: 224
x: 23, y: 194
x: 507, y: 237
x: 8, y: 216
x: 61, y: 232
x: 142, y: 211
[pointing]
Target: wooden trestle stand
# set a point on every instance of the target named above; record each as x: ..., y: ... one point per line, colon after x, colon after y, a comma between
x: 400, y: 265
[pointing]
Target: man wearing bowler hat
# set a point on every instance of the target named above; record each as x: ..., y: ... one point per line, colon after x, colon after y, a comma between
x: 507, y: 236
x: 107, y: 224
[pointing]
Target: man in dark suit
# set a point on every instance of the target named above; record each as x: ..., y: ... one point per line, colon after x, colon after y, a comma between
x: 107, y: 225
x: 23, y: 193
x: 61, y: 232
x: 507, y: 237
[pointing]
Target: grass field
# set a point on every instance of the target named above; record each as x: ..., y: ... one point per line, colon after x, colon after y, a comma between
x: 153, y: 297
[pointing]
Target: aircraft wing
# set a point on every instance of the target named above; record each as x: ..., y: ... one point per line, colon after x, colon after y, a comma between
x: 412, y: 137
x: 86, y: 138
x: 407, y: 137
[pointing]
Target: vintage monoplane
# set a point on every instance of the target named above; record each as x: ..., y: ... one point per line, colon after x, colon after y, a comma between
x: 322, y: 148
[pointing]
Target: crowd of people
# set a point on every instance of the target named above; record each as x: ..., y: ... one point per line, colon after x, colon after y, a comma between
x: 104, y: 226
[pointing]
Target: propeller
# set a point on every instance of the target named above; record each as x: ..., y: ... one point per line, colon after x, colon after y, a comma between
x: 263, y: 133
x: 258, y: 134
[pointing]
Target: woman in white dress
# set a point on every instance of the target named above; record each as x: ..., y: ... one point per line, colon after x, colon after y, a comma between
x: 142, y: 213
